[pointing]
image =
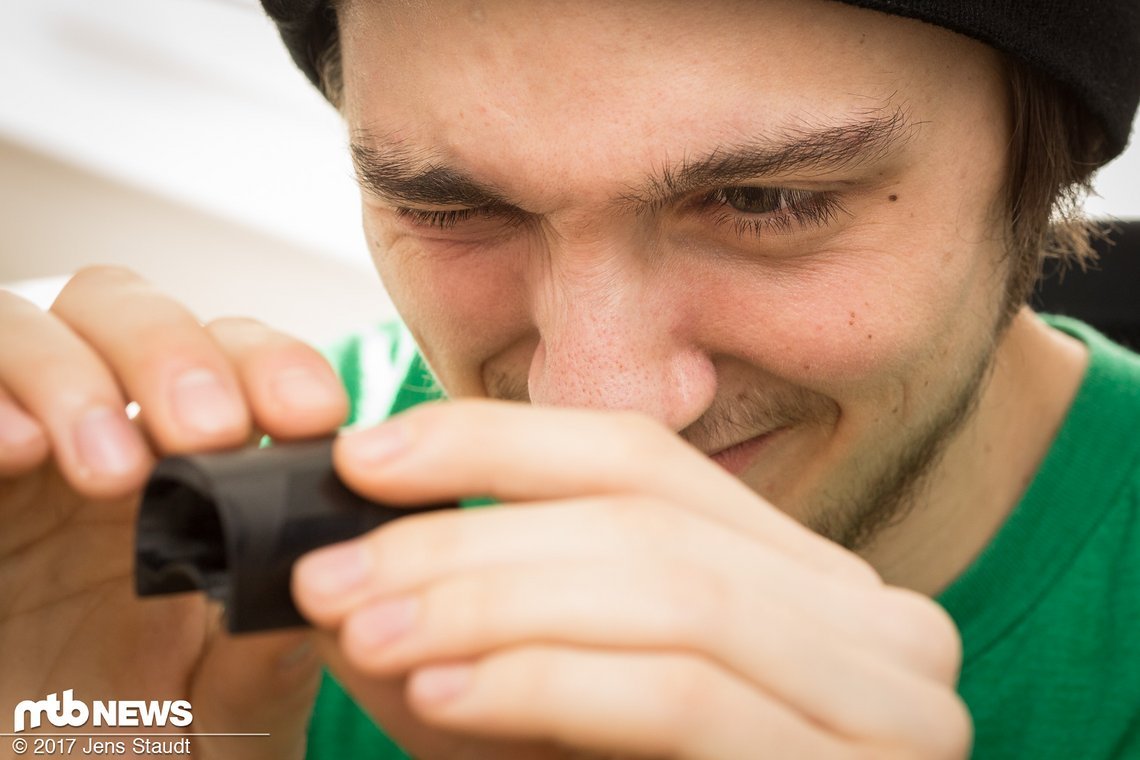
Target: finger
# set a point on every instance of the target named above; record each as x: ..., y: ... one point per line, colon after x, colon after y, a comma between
x: 23, y: 442
x: 59, y: 381
x: 411, y: 554
x: 415, y: 551
x: 628, y: 604
x: 475, y: 594
x: 385, y: 701
x: 643, y: 704
x: 517, y: 452
x: 292, y: 390
x: 181, y: 379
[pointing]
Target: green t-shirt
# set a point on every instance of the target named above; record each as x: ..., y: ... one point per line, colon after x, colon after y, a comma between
x: 1049, y: 613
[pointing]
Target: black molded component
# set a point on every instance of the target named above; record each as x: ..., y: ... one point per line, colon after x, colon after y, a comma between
x: 233, y: 523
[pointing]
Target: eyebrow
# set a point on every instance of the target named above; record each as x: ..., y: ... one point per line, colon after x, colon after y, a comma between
x: 819, y: 149
x: 421, y: 177
x: 404, y: 176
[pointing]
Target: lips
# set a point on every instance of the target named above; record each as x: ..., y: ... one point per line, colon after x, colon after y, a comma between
x: 739, y: 456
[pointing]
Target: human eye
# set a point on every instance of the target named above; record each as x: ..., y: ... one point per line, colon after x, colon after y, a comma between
x: 755, y: 211
x: 447, y: 219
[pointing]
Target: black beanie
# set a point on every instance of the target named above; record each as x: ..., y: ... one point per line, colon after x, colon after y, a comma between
x: 1090, y: 46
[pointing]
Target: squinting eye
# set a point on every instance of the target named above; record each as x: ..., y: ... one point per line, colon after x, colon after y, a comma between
x: 758, y: 200
x: 447, y: 219
x: 440, y: 219
x: 755, y: 211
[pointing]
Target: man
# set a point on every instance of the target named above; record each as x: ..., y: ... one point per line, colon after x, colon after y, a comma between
x: 759, y: 268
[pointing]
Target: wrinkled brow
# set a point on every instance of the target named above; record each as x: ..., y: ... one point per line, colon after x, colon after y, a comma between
x: 403, y: 175
x: 419, y: 177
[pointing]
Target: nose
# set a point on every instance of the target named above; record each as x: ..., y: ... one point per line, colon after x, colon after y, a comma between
x: 613, y: 336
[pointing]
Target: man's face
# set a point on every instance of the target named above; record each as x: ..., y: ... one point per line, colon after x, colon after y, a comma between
x: 770, y: 219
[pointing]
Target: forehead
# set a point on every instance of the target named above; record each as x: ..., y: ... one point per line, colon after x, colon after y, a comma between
x: 549, y: 88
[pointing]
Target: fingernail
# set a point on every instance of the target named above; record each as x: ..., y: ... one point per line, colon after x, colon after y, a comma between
x: 304, y: 388
x: 440, y: 683
x: 377, y: 444
x: 383, y: 623
x: 203, y: 404
x: 334, y: 570
x: 105, y: 441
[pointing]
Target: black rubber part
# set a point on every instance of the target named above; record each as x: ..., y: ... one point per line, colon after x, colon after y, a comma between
x: 232, y: 524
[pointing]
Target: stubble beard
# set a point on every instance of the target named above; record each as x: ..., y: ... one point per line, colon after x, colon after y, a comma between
x: 851, y: 520
x: 854, y: 522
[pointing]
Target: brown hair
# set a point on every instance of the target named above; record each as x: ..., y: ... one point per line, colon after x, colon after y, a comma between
x: 1054, y: 148
x: 330, y: 74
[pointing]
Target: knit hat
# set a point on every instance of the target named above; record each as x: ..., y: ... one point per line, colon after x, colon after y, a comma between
x: 1092, y: 48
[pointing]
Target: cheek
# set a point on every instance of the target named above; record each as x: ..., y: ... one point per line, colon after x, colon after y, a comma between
x: 846, y: 324
x: 460, y: 305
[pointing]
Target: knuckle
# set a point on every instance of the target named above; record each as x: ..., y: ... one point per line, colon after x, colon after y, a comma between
x: 29, y: 333
x: 402, y: 548
x: 248, y: 336
x: 960, y: 730
x: 681, y: 689
x: 661, y: 533
x: 536, y: 668
x: 96, y: 276
x: 856, y: 569
x: 627, y: 514
x: 952, y: 733
x: 239, y: 330
x: 924, y: 632
x: 694, y: 597
x: 528, y: 676
x: 251, y: 343
x: 384, y: 547
x: 947, y: 729
x: 940, y: 728
x: 154, y: 348
x: 68, y: 379
x: 467, y: 607
x: 642, y: 524
x: 105, y: 273
x: 849, y: 568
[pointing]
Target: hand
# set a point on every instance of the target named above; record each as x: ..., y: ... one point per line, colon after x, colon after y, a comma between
x: 71, y: 469
x: 635, y: 600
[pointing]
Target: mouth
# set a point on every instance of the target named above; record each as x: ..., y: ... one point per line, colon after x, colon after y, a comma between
x: 739, y: 456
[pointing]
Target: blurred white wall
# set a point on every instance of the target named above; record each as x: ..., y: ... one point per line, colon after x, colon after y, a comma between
x: 1117, y: 185
x: 58, y: 217
x: 176, y: 137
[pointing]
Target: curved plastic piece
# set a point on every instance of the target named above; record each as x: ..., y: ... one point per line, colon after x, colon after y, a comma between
x: 233, y: 523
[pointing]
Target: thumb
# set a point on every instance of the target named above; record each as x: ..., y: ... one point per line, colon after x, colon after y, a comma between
x: 256, y: 683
